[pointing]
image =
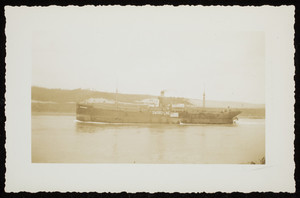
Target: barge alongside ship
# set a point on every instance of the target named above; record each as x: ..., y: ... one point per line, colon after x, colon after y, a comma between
x: 164, y: 113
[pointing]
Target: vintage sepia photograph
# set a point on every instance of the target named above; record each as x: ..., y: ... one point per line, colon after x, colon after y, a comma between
x: 149, y: 99
x: 146, y: 86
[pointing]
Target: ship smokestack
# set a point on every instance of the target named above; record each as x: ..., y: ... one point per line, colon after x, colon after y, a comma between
x: 161, y: 98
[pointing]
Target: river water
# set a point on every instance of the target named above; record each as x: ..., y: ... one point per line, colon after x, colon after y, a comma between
x: 61, y: 139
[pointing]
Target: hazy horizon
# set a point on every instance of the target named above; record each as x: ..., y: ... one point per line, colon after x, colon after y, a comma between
x: 206, y: 98
x: 139, y: 52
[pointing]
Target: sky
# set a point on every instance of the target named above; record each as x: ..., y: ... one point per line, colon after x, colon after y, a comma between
x: 144, y: 51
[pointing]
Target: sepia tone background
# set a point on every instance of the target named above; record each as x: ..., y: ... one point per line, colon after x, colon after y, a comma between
x: 89, y: 59
x: 278, y: 156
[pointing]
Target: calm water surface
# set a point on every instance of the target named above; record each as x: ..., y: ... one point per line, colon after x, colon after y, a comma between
x: 60, y: 139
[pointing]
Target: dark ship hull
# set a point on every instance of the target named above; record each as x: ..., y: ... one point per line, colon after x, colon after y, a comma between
x: 204, y: 117
x: 91, y: 113
x: 114, y: 114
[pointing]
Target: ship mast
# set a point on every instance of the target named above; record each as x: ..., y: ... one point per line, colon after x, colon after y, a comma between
x: 116, y: 95
x: 116, y: 99
x: 204, y: 98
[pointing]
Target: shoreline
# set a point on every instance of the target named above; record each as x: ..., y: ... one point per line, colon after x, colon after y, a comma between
x: 47, y: 113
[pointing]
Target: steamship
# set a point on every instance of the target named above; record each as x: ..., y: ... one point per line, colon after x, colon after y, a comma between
x: 163, y: 113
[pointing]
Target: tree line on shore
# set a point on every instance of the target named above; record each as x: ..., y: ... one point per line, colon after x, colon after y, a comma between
x: 64, y: 101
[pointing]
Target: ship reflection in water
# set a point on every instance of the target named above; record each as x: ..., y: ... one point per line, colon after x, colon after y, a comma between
x: 62, y: 139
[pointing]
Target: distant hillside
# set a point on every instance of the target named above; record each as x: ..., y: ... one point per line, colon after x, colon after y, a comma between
x: 78, y: 95
x: 225, y: 104
x: 63, y: 101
